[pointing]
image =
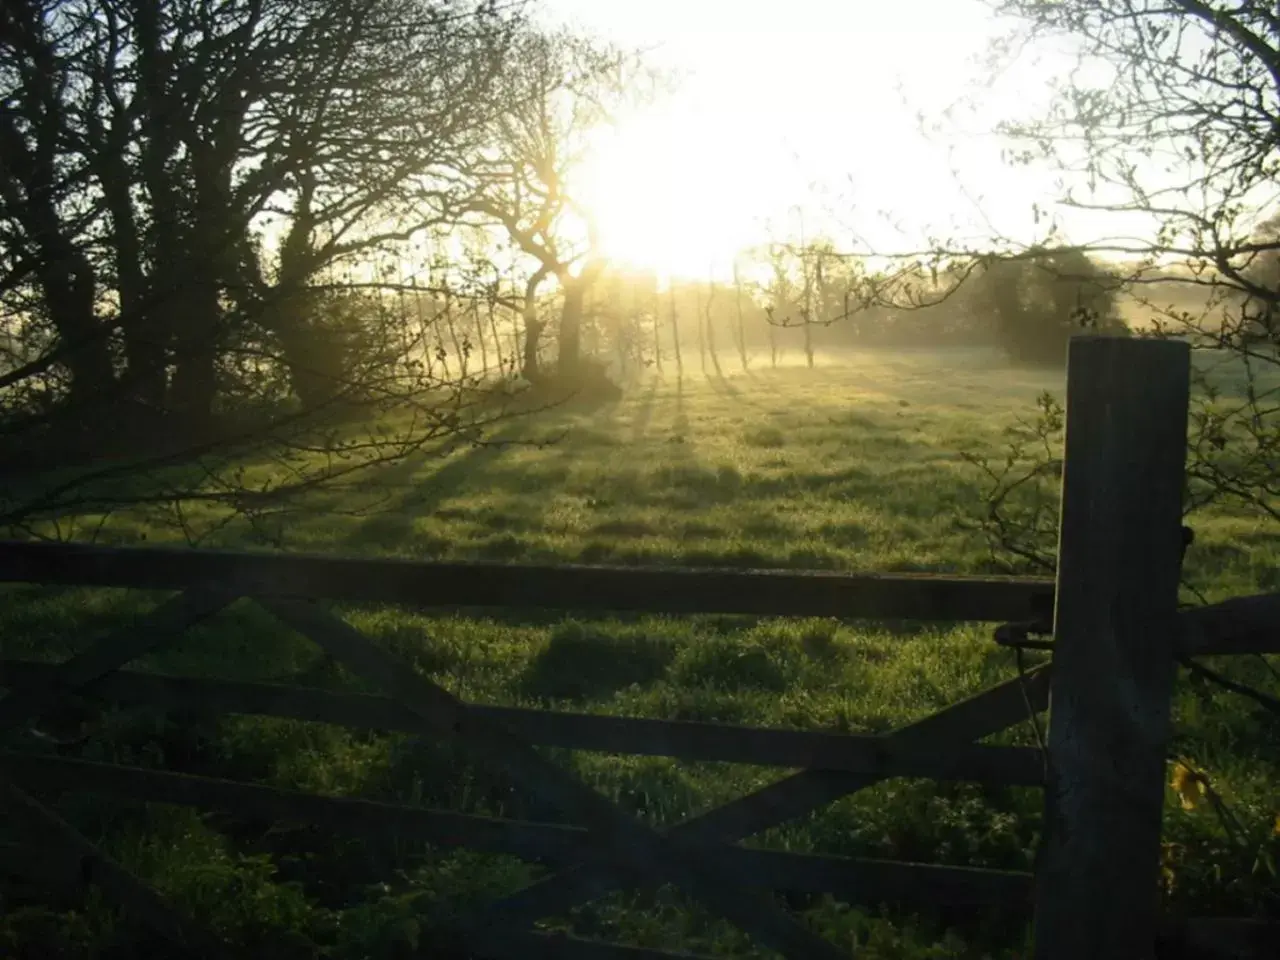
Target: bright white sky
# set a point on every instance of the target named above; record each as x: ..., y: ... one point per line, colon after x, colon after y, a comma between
x: 798, y: 103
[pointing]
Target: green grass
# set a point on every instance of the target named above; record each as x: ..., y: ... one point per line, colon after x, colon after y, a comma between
x: 854, y: 466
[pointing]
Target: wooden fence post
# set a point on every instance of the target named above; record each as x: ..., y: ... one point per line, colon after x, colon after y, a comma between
x: 1119, y: 560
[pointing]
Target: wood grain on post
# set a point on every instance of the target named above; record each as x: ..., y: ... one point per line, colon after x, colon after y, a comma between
x: 1119, y: 559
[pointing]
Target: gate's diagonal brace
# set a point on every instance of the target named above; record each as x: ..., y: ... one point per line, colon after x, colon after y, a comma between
x: 117, y: 884
x: 105, y: 655
x: 798, y: 795
x: 113, y: 651
x: 638, y: 847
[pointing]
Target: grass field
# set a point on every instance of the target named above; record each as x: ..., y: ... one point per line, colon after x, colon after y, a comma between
x: 854, y: 466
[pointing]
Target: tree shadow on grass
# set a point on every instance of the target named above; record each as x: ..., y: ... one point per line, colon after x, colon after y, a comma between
x: 724, y: 386
x: 721, y: 385
x: 391, y: 524
x: 643, y: 416
x: 570, y: 432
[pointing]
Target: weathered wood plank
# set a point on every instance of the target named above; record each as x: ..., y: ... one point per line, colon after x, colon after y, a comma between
x: 1119, y: 563
x: 162, y: 625
x: 856, y: 880
x: 537, y: 945
x: 867, y: 754
x: 796, y: 796
x: 874, y: 881
x: 587, y: 588
x: 629, y: 841
x: 1236, y: 626
x: 500, y: 945
x: 61, y: 841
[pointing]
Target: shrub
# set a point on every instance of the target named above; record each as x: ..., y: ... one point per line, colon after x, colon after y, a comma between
x: 1035, y: 305
x: 587, y: 384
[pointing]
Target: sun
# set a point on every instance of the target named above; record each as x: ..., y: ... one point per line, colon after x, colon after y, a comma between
x: 665, y: 197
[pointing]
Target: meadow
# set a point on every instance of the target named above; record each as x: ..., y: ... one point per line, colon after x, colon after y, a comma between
x: 854, y: 466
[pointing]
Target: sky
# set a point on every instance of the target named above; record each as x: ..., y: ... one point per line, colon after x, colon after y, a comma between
x: 803, y: 116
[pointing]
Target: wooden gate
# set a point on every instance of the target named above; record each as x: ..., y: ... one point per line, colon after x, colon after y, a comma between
x: 1117, y: 634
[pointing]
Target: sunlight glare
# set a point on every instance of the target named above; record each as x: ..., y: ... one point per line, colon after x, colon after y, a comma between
x: 665, y: 199
x: 814, y: 110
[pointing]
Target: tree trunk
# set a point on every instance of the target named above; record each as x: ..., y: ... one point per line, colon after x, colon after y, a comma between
x: 570, y: 356
x: 675, y: 336
x: 742, y: 332
x: 442, y: 354
x: 514, y: 328
x: 711, y: 332
x: 808, y: 315
x: 497, y: 338
x: 68, y: 287
x: 32, y: 183
x: 702, y: 336
x: 424, y: 333
x: 217, y: 236
x: 196, y: 344
x: 481, y: 339
x: 194, y: 384
x: 459, y: 346
x: 532, y: 334
x: 533, y: 325
x: 310, y: 354
x: 145, y: 338
x: 657, y: 339
x: 146, y: 358
x: 573, y: 313
x: 68, y: 284
x: 166, y: 303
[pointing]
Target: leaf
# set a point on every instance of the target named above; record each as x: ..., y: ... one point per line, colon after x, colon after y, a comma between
x: 1188, y: 785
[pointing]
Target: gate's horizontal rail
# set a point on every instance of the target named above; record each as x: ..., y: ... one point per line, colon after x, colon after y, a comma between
x: 549, y: 946
x: 794, y: 749
x: 367, y: 819
x: 852, y: 879
x: 569, y: 587
x: 1241, y: 625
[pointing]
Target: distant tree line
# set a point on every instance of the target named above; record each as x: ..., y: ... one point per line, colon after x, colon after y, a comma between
x: 791, y: 304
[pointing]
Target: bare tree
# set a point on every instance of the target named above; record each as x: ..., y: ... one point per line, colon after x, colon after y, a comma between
x: 700, y: 319
x: 675, y: 330
x: 657, y: 325
x: 709, y: 321
x: 807, y: 316
x: 779, y: 296
x: 741, y: 330
x: 557, y: 91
